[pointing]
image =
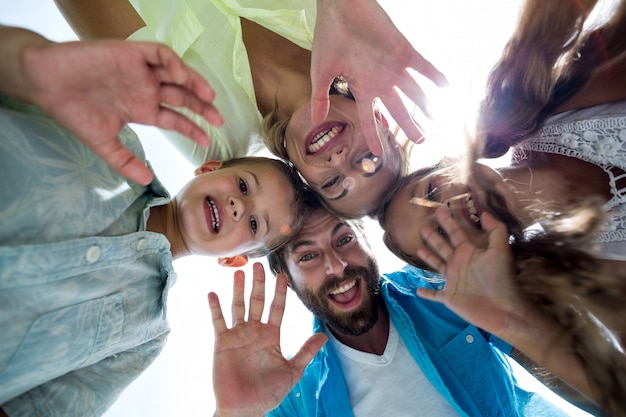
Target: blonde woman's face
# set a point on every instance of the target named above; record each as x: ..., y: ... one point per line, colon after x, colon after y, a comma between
x: 334, y: 158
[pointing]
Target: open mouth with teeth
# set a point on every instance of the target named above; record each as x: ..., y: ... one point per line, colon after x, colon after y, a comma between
x: 212, y: 215
x: 470, y: 211
x: 347, y: 295
x: 323, y: 137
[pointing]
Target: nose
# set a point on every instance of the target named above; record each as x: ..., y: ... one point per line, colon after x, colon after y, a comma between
x: 236, y: 208
x: 335, y: 265
x: 338, y: 155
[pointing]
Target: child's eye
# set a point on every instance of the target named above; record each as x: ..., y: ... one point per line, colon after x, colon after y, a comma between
x: 331, y: 182
x: 253, y: 225
x: 243, y: 186
x: 431, y: 192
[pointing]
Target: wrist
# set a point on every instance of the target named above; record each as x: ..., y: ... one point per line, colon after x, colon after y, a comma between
x: 235, y: 413
x: 19, y: 49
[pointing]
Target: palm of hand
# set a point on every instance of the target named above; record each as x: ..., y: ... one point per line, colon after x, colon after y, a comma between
x: 480, y: 283
x: 253, y: 373
x: 356, y: 43
x: 94, y: 88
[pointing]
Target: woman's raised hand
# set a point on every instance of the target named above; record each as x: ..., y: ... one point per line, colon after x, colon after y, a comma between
x: 94, y: 88
x: 358, y: 40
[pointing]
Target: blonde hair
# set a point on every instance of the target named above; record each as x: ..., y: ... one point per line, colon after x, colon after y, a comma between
x: 274, y: 127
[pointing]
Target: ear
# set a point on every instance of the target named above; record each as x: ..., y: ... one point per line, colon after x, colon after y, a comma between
x: 208, y: 166
x: 233, y: 261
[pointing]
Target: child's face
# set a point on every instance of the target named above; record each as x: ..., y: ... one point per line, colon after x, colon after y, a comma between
x: 230, y: 211
x: 413, y: 206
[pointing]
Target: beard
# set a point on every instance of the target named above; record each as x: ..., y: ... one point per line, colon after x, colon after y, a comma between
x: 353, y: 323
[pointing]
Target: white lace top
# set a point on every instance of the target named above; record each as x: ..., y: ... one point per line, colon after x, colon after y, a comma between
x: 596, y: 135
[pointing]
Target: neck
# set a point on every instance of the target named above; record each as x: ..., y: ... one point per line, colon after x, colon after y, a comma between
x: 280, y: 69
x: 162, y: 220
x: 373, y: 341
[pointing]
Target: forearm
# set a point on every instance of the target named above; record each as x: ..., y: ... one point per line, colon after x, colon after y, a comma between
x: 100, y: 18
x: 539, y: 339
x: 16, y: 45
x: 555, y: 384
x: 236, y: 414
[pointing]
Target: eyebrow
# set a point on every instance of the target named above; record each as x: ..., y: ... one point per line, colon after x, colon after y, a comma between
x: 266, y: 216
x: 300, y: 243
x: 366, y: 175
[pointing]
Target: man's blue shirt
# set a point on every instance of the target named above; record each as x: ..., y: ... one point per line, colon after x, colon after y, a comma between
x: 464, y: 364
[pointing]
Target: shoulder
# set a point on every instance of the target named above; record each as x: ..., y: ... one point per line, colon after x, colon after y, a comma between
x: 410, y: 277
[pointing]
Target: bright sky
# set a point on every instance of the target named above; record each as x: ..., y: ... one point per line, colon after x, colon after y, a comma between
x: 462, y: 38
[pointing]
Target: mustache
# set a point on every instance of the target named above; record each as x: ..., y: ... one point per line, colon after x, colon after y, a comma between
x: 350, y: 273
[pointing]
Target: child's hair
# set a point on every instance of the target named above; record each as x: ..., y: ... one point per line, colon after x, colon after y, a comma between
x: 276, y: 259
x: 298, y: 188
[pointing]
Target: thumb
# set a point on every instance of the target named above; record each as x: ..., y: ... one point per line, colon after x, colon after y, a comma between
x: 431, y: 295
x: 496, y: 230
x: 319, y: 98
x: 307, y: 352
x: 123, y: 161
x: 321, y: 81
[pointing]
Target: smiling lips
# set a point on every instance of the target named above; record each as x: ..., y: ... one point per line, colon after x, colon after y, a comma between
x: 212, y: 215
x: 322, y: 137
x: 471, y: 212
x: 346, y: 293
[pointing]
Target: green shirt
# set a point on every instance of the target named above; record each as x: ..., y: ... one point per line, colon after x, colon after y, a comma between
x: 207, y: 35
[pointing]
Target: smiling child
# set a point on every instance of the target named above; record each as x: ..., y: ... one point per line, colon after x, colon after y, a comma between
x: 85, y: 253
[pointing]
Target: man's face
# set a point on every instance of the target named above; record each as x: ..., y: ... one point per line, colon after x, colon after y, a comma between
x: 334, y: 273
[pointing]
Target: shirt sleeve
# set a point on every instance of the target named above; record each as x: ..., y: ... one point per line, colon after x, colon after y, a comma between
x: 88, y: 391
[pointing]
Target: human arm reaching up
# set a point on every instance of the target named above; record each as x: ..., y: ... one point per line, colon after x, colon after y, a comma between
x: 356, y: 39
x: 250, y: 374
x: 480, y: 288
x: 94, y: 88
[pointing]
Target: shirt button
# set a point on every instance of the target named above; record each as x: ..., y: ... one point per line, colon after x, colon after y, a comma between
x: 469, y: 338
x: 92, y: 255
x: 141, y: 243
